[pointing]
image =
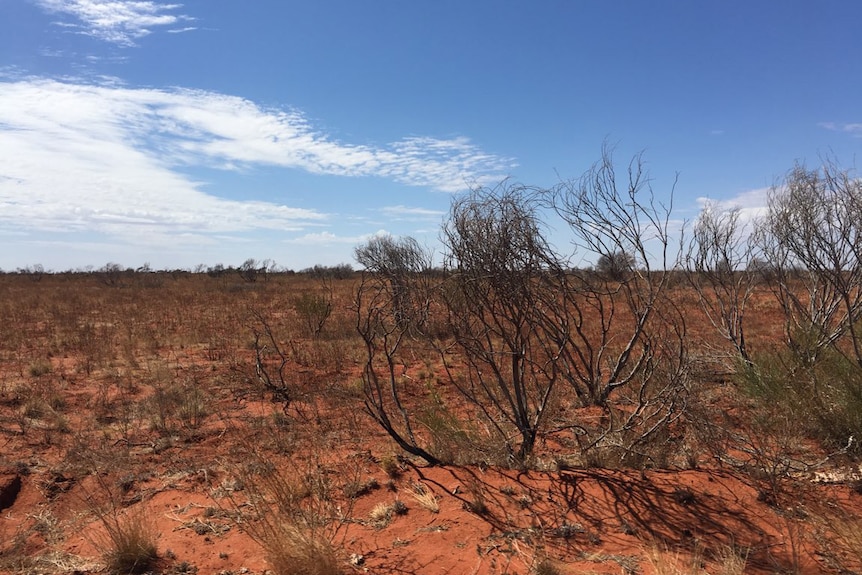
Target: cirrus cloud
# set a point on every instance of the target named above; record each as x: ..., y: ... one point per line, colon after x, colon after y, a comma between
x: 109, y: 158
x: 854, y: 129
x: 117, y: 21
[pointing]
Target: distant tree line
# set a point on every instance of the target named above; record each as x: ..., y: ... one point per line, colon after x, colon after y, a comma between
x: 251, y: 270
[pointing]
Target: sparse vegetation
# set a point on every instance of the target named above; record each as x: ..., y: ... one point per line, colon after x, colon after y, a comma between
x: 293, y: 518
x: 128, y: 539
x: 507, y: 389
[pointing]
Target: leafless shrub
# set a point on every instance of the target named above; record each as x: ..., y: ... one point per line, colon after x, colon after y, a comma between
x: 391, y: 302
x: 812, y: 239
x: 271, y: 360
x: 607, y: 218
x: 251, y: 270
x: 396, y: 260
x: 520, y: 321
x: 723, y: 269
x: 111, y: 274
x: 616, y: 265
x: 621, y: 337
x: 498, y: 298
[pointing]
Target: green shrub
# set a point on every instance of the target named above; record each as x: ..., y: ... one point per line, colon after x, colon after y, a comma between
x: 822, y: 393
x: 313, y: 309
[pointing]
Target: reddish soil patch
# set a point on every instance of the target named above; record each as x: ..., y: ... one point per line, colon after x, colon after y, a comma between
x: 143, y: 403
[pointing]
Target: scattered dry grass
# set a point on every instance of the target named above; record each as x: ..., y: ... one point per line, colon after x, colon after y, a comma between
x: 129, y: 371
x: 291, y: 513
x: 128, y: 543
x: 425, y: 497
x: 663, y: 561
x: 842, y: 539
x: 731, y: 561
x: 293, y: 550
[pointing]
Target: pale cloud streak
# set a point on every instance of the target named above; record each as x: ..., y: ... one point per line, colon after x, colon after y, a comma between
x: 229, y: 132
x: 405, y: 212
x: 117, y: 21
x: 328, y: 238
x: 106, y: 158
x: 854, y: 129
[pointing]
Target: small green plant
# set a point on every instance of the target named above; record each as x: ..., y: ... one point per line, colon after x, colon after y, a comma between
x: 822, y: 395
x: 313, y: 309
x: 457, y: 440
x: 399, y: 507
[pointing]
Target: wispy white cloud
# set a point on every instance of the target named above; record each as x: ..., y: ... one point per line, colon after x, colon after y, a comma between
x: 752, y: 204
x: 854, y: 129
x: 117, y: 21
x: 229, y: 132
x: 78, y: 158
x: 110, y: 159
x: 328, y: 238
x: 406, y: 212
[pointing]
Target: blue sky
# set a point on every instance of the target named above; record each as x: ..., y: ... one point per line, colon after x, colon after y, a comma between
x: 212, y: 131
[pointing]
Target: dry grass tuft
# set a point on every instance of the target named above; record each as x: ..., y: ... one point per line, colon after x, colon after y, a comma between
x: 293, y: 517
x: 425, y: 497
x: 665, y: 562
x: 291, y: 550
x: 728, y: 561
x: 731, y: 561
x: 842, y: 544
x: 129, y: 543
x: 381, y: 515
x: 545, y: 567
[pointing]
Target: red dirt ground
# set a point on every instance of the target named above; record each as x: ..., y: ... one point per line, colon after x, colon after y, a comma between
x: 82, y: 437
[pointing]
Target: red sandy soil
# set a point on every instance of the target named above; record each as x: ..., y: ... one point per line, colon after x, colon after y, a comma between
x: 111, y: 458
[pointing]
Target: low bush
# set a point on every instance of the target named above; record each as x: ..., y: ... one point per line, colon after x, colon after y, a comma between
x: 823, y: 395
